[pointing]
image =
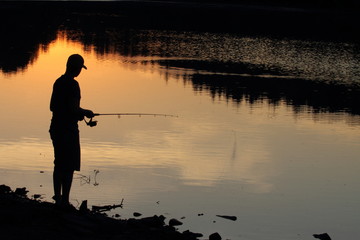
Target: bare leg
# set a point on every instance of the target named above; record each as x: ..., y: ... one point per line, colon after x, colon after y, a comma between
x: 67, y: 178
x: 57, y: 185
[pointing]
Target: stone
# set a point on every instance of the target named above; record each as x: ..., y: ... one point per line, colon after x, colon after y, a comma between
x: 4, y: 189
x: 136, y: 214
x: 232, y: 218
x: 83, y: 207
x: 322, y: 236
x: 21, y: 191
x: 174, y: 222
x: 215, y: 236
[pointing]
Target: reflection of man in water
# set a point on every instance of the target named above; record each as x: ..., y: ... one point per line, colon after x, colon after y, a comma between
x: 64, y: 132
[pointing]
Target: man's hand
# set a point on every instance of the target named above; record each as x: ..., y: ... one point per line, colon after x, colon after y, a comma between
x: 88, y: 113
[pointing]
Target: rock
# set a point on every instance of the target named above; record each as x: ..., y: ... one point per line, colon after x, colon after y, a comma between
x: 36, y: 196
x: 322, y: 236
x: 155, y: 221
x: 21, y: 191
x: 215, y: 236
x: 174, y: 222
x: 83, y: 207
x: 136, y: 214
x: 4, y: 189
x: 233, y: 218
x: 192, y: 235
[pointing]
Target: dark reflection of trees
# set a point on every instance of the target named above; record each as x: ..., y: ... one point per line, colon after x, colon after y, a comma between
x: 297, y: 93
x: 110, y: 26
x: 246, y: 82
x: 23, y: 32
x: 113, y: 28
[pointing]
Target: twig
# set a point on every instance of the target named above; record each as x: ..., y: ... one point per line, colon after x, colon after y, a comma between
x: 107, y: 207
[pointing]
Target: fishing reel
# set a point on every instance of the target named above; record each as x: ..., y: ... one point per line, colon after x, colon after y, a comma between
x: 91, y: 122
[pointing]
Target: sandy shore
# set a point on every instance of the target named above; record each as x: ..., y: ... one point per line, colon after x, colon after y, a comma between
x: 24, y: 218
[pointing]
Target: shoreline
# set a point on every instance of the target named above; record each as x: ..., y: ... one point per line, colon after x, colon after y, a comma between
x: 241, y: 17
x: 25, y: 218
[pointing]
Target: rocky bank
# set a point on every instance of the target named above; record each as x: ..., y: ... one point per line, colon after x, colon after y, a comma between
x: 25, y: 218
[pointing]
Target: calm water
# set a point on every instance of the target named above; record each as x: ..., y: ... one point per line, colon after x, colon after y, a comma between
x: 256, y: 136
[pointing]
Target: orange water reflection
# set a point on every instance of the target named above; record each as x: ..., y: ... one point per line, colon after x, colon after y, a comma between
x: 259, y: 158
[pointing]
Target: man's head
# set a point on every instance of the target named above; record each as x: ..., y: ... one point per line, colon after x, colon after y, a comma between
x: 74, y: 65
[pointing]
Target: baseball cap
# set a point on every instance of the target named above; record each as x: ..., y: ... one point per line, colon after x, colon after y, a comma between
x: 75, y: 60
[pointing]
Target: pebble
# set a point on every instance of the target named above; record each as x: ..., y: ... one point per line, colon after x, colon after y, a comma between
x: 136, y: 214
x: 174, y: 222
x: 215, y: 236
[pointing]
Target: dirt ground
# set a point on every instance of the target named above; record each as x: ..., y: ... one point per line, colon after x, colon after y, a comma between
x: 24, y: 218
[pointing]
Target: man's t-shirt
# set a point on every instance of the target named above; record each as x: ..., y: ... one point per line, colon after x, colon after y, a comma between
x: 64, y: 104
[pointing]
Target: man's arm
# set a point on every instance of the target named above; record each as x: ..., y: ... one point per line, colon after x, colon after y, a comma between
x: 78, y: 111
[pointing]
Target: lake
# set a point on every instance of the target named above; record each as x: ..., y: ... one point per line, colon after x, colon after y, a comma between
x: 266, y: 129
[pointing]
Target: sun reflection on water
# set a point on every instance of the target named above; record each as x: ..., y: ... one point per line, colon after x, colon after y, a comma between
x: 257, y: 157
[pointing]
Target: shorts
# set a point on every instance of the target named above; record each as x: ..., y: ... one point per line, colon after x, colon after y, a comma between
x: 66, y: 149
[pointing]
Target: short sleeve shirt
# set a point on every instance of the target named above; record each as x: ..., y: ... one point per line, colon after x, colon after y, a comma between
x: 65, y: 91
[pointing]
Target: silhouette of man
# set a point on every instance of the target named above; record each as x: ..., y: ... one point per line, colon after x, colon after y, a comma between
x: 64, y: 132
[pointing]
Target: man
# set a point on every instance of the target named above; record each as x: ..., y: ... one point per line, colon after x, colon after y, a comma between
x: 64, y: 132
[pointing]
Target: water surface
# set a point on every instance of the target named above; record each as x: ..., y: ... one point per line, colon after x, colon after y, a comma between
x: 268, y: 130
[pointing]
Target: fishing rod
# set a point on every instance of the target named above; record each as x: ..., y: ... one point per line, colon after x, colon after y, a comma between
x: 93, y: 123
x: 135, y: 114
